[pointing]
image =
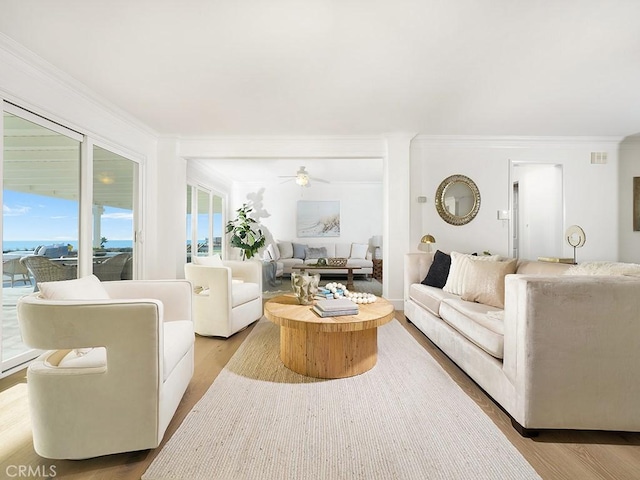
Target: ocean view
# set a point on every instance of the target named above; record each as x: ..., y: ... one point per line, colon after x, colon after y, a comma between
x: 30, y: 245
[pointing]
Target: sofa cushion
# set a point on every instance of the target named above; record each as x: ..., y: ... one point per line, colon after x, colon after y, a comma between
x: 286, y: 249
x: 359, y: 250
x: 244, y: 292
x: 299, y: 250
x: 439, y: 270
x: 484, y: 281
x: 474, y: 321
x: 531, y: 267
x: 85, y: 288
x: 458, y: 270
x: 272, y: 252
x: 315, y: 252
x: 341, y: 250
x: 428, y: 297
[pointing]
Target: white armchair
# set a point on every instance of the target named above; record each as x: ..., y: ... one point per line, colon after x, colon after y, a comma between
x: 226, y: 298
x: 116, y: 368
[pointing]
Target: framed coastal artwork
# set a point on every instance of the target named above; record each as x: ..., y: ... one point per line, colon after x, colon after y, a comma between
x: 318, y: 219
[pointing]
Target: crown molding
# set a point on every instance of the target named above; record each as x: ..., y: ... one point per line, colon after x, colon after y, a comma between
x: 282, y: 147
x: 515, y: 141
x: 35, y: 66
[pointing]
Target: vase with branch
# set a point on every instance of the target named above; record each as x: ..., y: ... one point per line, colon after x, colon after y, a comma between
x: 245, y: 232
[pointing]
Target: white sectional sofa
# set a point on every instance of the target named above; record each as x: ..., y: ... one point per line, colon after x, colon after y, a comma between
x: 563, y: 354
x: 290, y: 254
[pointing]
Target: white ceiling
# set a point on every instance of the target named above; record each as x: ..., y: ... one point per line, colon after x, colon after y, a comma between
x: 319, y: 67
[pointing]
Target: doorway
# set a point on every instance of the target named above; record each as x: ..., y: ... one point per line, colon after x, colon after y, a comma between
x: 537, y: 203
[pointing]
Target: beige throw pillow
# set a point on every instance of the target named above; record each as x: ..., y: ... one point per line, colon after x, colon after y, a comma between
x: 458, y: 270
x: 484, y: 281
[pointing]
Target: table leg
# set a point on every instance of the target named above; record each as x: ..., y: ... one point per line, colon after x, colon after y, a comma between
x: 349, y: 279
x: 328, y: 354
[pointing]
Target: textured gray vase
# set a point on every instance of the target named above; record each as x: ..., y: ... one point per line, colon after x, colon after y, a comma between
x: 305, y: 287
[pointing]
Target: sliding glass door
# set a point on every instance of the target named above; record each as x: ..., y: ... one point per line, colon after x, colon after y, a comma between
x: 49, y: 232
x: 114, y: 186
x: 205, y: 216
x: 41, y: 191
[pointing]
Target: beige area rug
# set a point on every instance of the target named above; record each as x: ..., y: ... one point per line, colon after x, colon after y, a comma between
x: 404, y: 419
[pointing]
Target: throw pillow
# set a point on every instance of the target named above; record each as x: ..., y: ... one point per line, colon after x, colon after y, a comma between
x: 484, y: 281
x: 458, y: 270
x: 359, y: 250
x: 439, y: 270
x: 272, y: 253
x: 286, y: 249
x: 298, y: 250
x: 315, y: 252
x: 209, y: 260
x: 604, y: 268
x: 85, y: 288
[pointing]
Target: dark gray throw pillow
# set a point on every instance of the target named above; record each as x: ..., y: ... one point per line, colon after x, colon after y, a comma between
x: 298, y: 250
x: 439, y: 271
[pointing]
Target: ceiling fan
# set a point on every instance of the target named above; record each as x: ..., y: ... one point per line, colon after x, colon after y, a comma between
x: 302, y: 178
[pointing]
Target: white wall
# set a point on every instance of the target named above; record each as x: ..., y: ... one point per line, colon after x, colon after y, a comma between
x: 276, y: 205
x: 590, y: 191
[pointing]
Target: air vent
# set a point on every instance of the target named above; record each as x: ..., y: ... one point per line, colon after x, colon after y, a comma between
x: 598, y: 158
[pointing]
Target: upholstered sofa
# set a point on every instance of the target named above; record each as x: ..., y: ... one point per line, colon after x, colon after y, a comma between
x: 564, y: 353
x: 289, y: 254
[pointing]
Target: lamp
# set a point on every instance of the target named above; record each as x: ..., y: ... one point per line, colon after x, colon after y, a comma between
x: 376, y: 243
x: 302, y: 179
x: 428, y: 240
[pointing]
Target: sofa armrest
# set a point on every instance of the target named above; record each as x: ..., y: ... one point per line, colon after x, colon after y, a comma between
x: 130, y: 330
x: 571, y: 349
x: 416, y: 266
x: 175, y: 295
x: 248, y: 270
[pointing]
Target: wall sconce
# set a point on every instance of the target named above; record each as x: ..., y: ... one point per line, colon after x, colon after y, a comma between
x: 428, y: 240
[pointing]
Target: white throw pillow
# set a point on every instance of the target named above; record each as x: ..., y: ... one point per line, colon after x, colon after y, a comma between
x: 272, y: 252
x: 85, y: 288
x: 458, y: 270
x: 359, y: 250
x: 286, y: 249
x: 209, y: 260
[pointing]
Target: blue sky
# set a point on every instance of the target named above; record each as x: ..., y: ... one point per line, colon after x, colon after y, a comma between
x: 36, y: 217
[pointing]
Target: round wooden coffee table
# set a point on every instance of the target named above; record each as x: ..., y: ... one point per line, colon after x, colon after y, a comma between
x: 330, y: 347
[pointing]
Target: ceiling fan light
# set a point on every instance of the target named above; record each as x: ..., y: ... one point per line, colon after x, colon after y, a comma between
x: 302, y: 180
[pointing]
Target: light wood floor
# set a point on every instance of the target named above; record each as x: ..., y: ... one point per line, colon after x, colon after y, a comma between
x: 554, y: 454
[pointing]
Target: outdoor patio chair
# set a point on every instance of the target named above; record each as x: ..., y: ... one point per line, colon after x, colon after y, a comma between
x: 13, y: 268
x: 44, y: 270
x: 111, y: 268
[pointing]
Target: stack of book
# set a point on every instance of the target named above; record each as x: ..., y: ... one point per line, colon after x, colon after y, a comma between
x: 335, y: 308
x: 325, y: 293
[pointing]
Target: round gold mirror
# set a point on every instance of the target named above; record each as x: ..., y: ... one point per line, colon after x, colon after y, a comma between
x: 457, y: 200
